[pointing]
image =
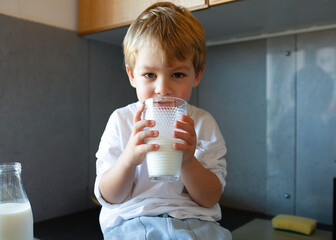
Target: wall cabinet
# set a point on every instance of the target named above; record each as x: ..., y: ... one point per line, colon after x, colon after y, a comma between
x: 215, y: 2
x: 100, y: 15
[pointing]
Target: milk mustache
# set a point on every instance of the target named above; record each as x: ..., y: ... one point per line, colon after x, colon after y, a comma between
x: 164, y: 165
x: 16, y: 221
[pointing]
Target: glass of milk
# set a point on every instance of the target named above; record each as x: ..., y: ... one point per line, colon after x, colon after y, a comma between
x: 16, y: 218
x: 164, y: 165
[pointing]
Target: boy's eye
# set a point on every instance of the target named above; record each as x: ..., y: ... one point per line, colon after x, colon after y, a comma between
x: 150, y: 75
x: 178, y: 75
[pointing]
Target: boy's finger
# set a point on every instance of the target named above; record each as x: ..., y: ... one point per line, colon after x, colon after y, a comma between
x: 144, y: 148
x: 185, y: 127
x: 138, y: 113
x: 143, y: 135
x: 181, y: 147
x: 140, y: 125
x: 185, y: 137
x: 188, y: 119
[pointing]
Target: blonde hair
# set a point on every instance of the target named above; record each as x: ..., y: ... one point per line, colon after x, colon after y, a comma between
x: 172, y: 29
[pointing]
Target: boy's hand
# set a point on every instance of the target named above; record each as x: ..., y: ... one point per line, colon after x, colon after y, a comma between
x: 116, y: 183
x: 136, y: 148
x: 202, y: 185
x: 188, y: 136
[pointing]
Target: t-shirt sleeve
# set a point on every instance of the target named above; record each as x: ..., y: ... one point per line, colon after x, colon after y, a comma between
x: 110, y: 148
x: 211, y: 148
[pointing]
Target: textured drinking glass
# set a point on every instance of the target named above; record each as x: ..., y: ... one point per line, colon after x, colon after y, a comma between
x: 16, y: 218
x: 164, y: 165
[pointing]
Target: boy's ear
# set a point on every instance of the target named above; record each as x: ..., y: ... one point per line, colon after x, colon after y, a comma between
x: 130, y: 76
x: 198, y: 77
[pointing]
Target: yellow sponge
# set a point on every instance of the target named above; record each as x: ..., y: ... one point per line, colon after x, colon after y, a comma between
x: 294, y: 224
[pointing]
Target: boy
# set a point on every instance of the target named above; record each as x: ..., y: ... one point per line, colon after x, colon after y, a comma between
x: 165, y: 56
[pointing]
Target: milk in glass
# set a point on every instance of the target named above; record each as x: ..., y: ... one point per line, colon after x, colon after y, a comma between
x: 164, y: 165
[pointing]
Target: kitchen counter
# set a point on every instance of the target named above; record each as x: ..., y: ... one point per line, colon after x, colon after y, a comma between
x: 85, y: 225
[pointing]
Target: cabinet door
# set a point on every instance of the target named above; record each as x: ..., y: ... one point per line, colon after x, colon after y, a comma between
x: 215, y: 2
x: 100, y: 15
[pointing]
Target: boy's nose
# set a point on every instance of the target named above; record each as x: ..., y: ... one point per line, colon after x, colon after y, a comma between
x: 163, y: 88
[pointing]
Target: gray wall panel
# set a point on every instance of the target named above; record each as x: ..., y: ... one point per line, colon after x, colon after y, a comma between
x: 281, y: 70
x: 109, y: 89
x: 288, y: 146
x: 233, y: 90
x: 316, y: 124
x: 56, y: 93
x: 44, y: 113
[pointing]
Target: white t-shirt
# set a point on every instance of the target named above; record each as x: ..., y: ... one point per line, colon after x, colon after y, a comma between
x: 155, y: 198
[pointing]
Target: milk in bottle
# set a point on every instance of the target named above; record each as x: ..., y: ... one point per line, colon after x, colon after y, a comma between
x: 16, y: 218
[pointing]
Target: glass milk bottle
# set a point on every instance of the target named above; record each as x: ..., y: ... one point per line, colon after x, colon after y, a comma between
x: 16, y: 218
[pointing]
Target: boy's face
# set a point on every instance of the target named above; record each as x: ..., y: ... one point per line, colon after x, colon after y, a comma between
x: 153, y: 77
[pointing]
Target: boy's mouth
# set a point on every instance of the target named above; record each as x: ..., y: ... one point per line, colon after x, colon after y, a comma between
x: 164, y: 103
